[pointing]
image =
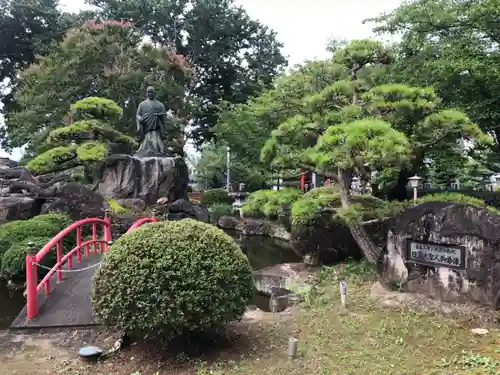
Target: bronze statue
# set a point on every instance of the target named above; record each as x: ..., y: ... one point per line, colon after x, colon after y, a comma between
x: 152, y: 126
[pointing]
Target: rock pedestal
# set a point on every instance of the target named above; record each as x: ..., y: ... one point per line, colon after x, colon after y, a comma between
x: 146, y: 178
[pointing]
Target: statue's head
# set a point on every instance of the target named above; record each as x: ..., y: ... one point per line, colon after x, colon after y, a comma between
x: 151, y: 92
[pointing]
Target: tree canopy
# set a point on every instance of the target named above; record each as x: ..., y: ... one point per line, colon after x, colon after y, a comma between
x: 97, y: 59
x: 349, y: 127
x: 29, y: 29
x: 452, y: 46
x: 232, y: 56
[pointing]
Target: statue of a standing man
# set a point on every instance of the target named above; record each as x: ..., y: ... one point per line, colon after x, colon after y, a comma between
x: 151, y: 124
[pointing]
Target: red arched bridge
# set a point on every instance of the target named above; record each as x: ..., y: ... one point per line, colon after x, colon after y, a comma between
x: 62, y: 297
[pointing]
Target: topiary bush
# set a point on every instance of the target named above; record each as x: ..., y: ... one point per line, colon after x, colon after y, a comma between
x: 172, y: 277
x: 213, y: 196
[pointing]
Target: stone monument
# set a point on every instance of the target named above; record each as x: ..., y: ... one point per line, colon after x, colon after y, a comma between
x: 156, y: 169
x: 449, y: 251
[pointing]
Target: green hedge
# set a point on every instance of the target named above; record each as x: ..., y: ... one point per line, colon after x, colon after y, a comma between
x: 172, y: 277
x: 490, y: 198
x: 214, y: 196
x: 14, y: 259
x: 15, y: 235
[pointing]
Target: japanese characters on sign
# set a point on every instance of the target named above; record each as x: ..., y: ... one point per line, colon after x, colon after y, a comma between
x: 436, y: 255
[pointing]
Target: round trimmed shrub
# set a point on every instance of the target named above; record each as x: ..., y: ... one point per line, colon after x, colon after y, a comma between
x: 214, y: 196
x: 172, y: 277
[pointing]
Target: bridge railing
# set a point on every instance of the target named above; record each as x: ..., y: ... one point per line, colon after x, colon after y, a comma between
x: 139, y: 222
x: 33, y: 259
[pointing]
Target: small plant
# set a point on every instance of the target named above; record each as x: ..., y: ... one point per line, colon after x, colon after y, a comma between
x: 116, y: 208
x: 218, y: 210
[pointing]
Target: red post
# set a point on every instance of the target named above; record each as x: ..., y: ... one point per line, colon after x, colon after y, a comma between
x: 79, y: 243
x: 94, y: 236
x: 31, y: 282
x: 107, y: 230
x: 59, y: 257
x: 303, y: 181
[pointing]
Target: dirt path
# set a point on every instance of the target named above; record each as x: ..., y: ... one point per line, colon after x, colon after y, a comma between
x: 55, y: 351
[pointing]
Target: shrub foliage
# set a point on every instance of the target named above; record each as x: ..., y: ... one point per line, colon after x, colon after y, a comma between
x: 214, y: 196
x: 86, y: 141
x: 172, y: 277
x: 15, y: 235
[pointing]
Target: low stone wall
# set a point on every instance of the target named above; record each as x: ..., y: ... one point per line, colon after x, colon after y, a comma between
x: 286, y: 283
x: 447, y: 251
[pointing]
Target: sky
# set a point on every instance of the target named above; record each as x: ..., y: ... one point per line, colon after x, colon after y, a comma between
x: 303, y: 26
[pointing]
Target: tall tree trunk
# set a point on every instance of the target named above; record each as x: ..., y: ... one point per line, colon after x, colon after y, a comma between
x: 370, y: 250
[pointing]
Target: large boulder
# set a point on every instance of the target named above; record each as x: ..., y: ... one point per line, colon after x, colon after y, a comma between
x: 76, y: 200
x: 18, y: 208
x: 446, y: 250
x: 184, y: 209
x: 146, y: 178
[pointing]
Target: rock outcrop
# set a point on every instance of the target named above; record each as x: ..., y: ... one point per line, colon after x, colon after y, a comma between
x: 23, y: 195
x: 184, y: 209
x: 146, y: 178
x: 459, y: 258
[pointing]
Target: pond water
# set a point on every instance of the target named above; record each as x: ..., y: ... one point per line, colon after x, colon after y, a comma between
x: 261, y: 252
x: 11, y: 303
x: 264, y: 251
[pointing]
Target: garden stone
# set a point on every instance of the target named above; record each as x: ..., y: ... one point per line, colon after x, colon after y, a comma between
x: 228, y: 222
x: 77, y: 200
x: 183, y: 208
x: 133, y: 204
x: 252, y: 227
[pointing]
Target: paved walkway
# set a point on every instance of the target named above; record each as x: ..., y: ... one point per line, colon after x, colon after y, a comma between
x: 68, y: 304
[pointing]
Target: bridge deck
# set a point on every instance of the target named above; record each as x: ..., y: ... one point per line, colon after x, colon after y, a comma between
x: 68, y: 304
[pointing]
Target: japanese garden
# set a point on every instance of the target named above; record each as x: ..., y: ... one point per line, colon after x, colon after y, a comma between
x: 189, y: 202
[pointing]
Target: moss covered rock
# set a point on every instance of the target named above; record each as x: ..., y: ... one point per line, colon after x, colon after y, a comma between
x: 170, y: 277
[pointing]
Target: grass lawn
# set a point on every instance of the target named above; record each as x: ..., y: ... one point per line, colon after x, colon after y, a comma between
x: 366, y: 338
x: 370, y: 339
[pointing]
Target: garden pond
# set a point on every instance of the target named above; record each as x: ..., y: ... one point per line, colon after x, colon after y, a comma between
x: 261, y: 251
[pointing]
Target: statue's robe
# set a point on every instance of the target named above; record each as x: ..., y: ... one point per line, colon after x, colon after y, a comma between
x: 151, y: 121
